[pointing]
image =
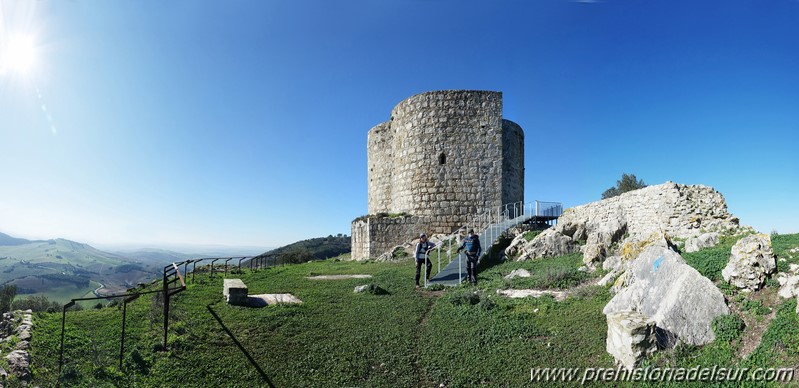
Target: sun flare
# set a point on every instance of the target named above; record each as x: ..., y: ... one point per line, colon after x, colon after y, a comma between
x: 18, y: 54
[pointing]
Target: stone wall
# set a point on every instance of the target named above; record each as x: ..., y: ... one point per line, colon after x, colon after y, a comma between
x: 445, y: 155
x: 668, y: 210
x: 373, y: 236
x: 680, y: 211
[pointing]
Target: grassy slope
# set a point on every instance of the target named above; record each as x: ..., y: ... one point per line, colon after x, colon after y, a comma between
x: 338, y: 338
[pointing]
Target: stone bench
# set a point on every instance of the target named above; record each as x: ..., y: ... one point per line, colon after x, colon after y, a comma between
x: 235, y: 292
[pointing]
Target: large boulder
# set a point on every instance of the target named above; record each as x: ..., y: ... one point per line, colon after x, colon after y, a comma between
x: 662, y: 287
x: 593, y: 254
x: 549, y: 243
x: 751, y: 261
x: 516, y: 245
x: 705, y: 240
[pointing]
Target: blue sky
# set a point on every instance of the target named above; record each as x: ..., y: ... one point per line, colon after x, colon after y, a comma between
x: 245, y: 122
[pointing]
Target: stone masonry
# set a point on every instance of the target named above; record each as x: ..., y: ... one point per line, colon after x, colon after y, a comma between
x: 669, y: 209
x: 443, y: 156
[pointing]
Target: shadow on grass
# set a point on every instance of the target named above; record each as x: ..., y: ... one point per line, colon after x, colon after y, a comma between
x: 238, y: 344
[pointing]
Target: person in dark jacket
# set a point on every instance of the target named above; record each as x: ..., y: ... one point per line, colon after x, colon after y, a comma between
x: 471, y: 244
x: 423, y: 249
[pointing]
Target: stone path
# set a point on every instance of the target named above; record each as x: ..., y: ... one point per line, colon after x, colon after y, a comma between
x: 338, y: 277
x: 262, y: 300
x: 558, y: 295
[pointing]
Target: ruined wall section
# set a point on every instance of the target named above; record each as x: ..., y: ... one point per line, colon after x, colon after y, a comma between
x: 512, y: 162
x: 681, y: 211
x: 380, y: 164
x: 373, y: 236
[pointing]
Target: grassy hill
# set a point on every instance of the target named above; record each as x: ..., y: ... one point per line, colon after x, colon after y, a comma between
x: 406, y: 337
x: 62, y: 269
x: 319, y: 248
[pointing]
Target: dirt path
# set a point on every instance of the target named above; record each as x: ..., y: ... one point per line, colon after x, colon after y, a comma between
x: 419, y: 370
x: 753, y: 333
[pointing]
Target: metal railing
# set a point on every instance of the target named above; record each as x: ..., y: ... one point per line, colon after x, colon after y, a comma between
x: 494, y: 221
x: 173, y: 281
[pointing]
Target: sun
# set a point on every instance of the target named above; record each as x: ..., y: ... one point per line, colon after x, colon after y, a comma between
x: 18, y: 54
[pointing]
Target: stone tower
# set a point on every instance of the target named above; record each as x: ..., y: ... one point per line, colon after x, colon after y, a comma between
x: 442, y: 157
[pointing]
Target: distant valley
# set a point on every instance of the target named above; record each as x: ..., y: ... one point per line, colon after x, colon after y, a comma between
x: 62, y: 269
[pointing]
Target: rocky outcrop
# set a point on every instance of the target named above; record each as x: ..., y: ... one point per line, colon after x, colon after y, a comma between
x: 751, y: 261
x: 19, y: 364
x: 19, y: 324
x: 705, y: 240
x: 673, y: 210
x: 549, y: 243
x: 662, y: 287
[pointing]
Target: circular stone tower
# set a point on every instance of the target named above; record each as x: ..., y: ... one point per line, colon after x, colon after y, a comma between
x: 444, y: 156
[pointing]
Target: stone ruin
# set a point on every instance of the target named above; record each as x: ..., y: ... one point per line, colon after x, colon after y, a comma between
x: 441, y: 158
x: 659, y: 299
x: 625, y: 223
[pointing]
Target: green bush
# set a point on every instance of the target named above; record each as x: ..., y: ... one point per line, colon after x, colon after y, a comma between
x: 530, y: 235
x: 464, y: 297
x: 728, y: 327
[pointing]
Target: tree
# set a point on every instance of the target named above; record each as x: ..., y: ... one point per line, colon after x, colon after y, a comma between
x: 7, y: 294
x: 628, y: 182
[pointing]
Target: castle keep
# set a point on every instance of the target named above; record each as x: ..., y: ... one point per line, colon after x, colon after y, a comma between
x: 442, y: 157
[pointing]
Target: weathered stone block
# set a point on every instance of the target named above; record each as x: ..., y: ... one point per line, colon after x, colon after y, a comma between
x: 235, y: 292
x: 631, y: 337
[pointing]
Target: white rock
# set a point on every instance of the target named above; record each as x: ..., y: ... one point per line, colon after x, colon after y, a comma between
x: 671, y: 293
x: 751, y: 261
x: 518, y: 273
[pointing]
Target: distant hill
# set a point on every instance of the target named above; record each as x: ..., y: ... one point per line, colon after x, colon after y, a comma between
x: 6, y: 240
x: 159, y: 256
x: 63, y: 269
x: 319, y: 248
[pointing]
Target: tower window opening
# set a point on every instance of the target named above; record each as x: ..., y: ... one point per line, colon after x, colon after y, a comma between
x: 442, y: 159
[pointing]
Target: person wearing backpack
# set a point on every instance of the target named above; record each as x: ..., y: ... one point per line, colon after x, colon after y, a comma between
x: 473, y: 249
x: 423, y: 248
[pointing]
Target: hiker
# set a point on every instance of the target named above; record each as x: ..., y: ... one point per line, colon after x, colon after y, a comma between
x: 473, y: 249
x: 423, y: 249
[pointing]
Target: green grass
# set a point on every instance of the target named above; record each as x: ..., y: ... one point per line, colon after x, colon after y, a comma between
x: 551, y: 272
x: 782, y: 244
x: 461, y: 336
x: 710, y: 261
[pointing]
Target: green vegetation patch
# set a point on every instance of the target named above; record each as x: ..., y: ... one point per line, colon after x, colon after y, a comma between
x: 710, y: 261
x: 546, y: 273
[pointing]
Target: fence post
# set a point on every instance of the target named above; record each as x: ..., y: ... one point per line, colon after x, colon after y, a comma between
x: 166, y: 307
x: 124, y: 317
x: 63, y: 321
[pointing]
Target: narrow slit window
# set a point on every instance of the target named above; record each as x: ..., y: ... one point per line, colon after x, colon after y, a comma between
x: 442, y: 159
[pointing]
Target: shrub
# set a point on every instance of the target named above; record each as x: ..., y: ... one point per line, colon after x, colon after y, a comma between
x: 37, y: 303
x: 628, y: 182
x: 728, y: 327
x: 529, y: 235
x: 465, y: 297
